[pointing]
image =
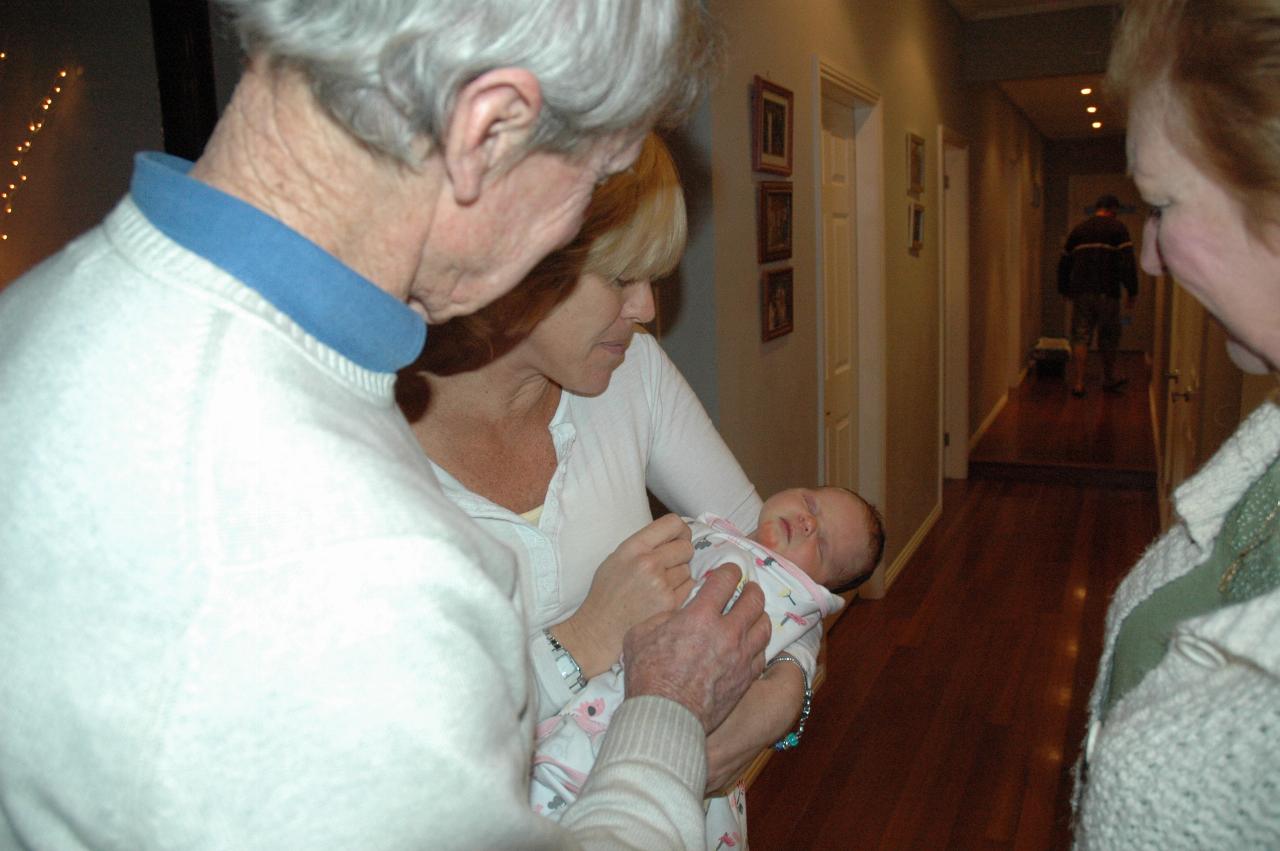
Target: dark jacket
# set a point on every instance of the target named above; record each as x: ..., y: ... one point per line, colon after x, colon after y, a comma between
x: 1098, y: 258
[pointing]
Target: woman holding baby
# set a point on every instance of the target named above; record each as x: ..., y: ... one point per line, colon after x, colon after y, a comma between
x: 547, y: 417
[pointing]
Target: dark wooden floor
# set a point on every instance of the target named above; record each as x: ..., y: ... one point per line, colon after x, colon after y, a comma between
x: 953, y: 708
x: 1102, y: 437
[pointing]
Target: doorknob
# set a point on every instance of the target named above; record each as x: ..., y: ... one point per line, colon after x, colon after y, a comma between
x: 1185, y: 395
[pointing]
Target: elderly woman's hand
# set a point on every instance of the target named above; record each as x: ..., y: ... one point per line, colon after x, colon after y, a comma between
x: 646, y: 575
x: 701, y: 656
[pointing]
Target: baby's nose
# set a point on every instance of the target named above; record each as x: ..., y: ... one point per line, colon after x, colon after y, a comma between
x: 807, y: 523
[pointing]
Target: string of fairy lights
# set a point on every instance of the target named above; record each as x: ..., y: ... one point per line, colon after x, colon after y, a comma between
x: 15, y: 174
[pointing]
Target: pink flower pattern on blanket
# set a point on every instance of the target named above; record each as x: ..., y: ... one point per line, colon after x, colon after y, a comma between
x: 786, y: 616
x: 546, y: 728
x: 587, y: 715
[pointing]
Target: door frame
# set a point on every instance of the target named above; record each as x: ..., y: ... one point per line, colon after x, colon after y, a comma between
x: 953, y: 320
x: 870, y: 229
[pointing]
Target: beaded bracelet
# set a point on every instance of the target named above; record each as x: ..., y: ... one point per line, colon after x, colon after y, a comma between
x: 792, y: 739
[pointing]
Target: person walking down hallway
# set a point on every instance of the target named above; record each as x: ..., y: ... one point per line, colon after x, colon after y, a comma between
x: 1096, y: 262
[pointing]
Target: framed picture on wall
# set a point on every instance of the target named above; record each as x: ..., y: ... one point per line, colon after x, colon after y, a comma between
x: 915, y: 165
x: 773, y: 125
x: 773, y: 238
x: 915, y: 227
x: 776, y: 303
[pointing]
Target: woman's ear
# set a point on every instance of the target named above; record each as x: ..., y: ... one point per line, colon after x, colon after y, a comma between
x: 492, y: 119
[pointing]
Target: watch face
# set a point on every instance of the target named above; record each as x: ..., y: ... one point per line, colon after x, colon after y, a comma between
x: 568, y: 667
x: 570, y: 670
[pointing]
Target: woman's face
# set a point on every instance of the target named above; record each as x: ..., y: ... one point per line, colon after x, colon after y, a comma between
x: 1197, y: 234
x: 585, y: 337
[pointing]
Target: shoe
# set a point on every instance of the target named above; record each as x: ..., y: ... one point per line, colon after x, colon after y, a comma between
x: 1115, y: 386
x: 1078, y: 392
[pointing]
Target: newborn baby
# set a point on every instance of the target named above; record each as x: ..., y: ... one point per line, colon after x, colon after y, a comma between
x: 808, y: 545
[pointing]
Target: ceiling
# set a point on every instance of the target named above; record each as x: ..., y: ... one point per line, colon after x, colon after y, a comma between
x: 1057, y: 109
x: 1053, y: 104
x: 981, y: 10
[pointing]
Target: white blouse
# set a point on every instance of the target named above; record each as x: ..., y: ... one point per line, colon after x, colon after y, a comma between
x: 647, y: 430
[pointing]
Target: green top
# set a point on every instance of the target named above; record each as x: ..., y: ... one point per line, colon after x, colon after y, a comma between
x: 1245, y: 563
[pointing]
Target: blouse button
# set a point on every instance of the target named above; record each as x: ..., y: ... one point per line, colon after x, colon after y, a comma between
x: 1199, y: 652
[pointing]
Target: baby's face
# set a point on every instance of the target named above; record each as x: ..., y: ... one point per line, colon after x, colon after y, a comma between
x: 822, y: 530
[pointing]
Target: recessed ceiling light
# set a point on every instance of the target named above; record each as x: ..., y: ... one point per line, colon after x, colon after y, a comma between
x: 1096, y: 125
x: 1091, y: 109
x: 1086, y: 91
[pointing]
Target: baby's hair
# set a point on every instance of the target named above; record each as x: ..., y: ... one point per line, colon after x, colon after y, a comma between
x: 875, y: 527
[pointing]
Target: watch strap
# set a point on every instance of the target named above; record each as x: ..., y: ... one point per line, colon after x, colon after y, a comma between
x: 566, y: 664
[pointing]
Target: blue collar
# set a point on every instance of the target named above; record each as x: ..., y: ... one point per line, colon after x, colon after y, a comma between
x: 328, y: 299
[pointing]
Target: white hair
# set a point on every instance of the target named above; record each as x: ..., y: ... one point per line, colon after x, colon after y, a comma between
x: 389, y: 70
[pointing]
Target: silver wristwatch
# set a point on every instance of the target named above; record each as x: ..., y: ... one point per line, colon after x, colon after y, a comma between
x: 566, y: 664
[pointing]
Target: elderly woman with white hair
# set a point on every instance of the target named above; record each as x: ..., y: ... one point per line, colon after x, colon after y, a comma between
x: 1183, y: 749
x: 236, y: 610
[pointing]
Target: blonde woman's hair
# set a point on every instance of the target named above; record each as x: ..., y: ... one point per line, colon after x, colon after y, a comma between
x: 636, y: 225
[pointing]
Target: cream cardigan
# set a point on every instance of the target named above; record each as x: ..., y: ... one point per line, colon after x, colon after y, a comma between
x: 1190, y: 758
x: 236, y: 611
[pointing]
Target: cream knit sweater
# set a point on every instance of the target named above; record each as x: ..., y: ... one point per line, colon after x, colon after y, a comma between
x: 1190, y: 758
x: 236, y: 610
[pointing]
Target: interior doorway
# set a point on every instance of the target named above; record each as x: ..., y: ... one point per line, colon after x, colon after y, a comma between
x: 954, y: 285
x: 851, y: 362
x: 839, y: 264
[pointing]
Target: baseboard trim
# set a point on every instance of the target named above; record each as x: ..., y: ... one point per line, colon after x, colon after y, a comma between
x: 991, y: 418
x: 912, y: 545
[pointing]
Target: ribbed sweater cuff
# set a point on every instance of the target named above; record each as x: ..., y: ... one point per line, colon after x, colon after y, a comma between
x: 658, y: 731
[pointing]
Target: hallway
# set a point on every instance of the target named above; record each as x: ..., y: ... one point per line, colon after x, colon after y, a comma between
x: 1044, y: 432
x: 953, y: 709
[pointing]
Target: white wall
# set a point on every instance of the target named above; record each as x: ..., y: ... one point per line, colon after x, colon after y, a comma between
x: 764, y: 394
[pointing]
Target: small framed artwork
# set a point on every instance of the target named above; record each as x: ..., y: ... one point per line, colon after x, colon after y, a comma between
x: 773, y: 239
x: 776, y: 303
x: 915, y: 164
x: 773, y: 124
x: 915, y: 227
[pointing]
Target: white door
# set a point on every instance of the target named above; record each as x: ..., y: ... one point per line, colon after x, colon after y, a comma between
x: 839, y: 294
x: 955, y: 300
